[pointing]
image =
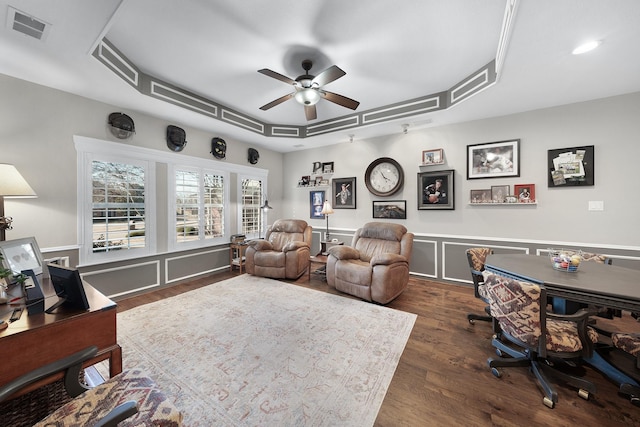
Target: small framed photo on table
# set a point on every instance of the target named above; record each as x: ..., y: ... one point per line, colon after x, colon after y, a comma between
x: 480, y: 196
x: 499, y: 193
x: 526, y: 193
x: 432, y: 157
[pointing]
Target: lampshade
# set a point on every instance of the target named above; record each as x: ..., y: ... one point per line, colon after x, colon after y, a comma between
x: 12, y: 184
x: 266, y: 206
x: 307, y: 96
x: 326, y: 208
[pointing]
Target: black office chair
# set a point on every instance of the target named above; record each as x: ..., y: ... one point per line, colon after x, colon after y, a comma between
x: 537, y: 339
x: 476, y: 258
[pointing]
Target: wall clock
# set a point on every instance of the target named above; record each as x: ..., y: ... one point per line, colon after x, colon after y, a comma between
x: 384, y: 177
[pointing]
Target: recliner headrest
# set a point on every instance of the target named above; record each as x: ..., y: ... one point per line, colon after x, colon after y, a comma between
x: 289, y: 226
x: 383, y: 230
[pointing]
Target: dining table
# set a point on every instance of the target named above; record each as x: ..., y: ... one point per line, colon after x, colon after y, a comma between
x: 592, y: 283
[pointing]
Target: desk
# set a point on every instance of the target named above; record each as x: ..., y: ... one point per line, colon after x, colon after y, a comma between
x: 38, y: 339
x: 593, y: 283
x: 236, y: 255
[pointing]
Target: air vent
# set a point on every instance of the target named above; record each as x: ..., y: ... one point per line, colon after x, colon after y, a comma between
x: 27, y: 24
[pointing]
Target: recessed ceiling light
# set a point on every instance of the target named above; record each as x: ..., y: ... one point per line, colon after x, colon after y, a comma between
x: 586, y: 47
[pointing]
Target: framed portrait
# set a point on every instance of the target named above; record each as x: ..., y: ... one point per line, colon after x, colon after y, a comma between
x: 344, y: 193
x: 526, y: 193
x: 499, y: 193
x: 318, y: 180
x: 570, y: 167
x: 327, y: 167
x: 436, y: 190
x: 390, y: 209
x: 316, y: 200
x: 304, y: 181
x: 432, y: 157
x: 480, y: 196
x: 493, y: 159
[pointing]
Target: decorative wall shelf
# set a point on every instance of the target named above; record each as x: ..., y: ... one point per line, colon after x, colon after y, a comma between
x: 503, y: 204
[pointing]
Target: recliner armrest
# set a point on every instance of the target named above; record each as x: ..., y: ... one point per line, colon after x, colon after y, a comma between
x: 294, y: 246
x: 344, y: 252
x: 387, y: 259
x: 261, y: 245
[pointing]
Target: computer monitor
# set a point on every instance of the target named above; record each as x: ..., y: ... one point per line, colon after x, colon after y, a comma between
x: 22, y: 254
x: 69, y: 288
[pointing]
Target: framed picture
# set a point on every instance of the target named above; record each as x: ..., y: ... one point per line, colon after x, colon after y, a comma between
x: 317, y: 167
x: 327, y: 167
x: 304, y: 181
x: 499, y: 193
x: 344, y: 193
x: 493, y: 159
x: 570, y: 167
x: 526, y: 193
x: 316, y: 200
x: 432, y: 157
x: 480, y: 196
x: 390, y: 209
x: 436, y: 190
x: 318, y: 180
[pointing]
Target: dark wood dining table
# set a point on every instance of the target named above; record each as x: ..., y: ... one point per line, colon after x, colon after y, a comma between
x: 593, y: 283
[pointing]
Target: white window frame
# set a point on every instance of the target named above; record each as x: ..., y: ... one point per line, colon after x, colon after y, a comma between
x: 201, y: 167
x: 263, y: 216
x: 90, y: 150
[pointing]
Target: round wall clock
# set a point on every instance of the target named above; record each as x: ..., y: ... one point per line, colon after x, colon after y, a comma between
x: 384, y: 177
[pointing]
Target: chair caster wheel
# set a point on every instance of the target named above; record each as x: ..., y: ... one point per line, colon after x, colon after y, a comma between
x: 635, y: 401
x: 548, y: 402
x: 496, y: 373
x: 472, y: 321
x: 583, y: 394
x: 499, y: 352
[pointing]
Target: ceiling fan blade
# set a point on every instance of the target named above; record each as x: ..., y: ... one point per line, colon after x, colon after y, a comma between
x: 310, y: 112
x: 277, y: 76
x: 339, y: 99
x: 327, y: 76
x: 280, y: 100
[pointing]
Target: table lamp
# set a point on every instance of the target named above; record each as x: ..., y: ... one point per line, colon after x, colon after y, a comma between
x: 12, y: 185
x: 264, y: 208
x: 326, y: 211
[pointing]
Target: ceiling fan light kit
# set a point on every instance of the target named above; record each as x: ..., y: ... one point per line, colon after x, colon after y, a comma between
x: 308, y: 92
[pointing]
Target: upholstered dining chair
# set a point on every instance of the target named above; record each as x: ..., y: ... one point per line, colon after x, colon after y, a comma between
x: 476, y: 258
x: 536, y: 338
x: 375, y: 267
x: 128, y: 399
x: 284, y: 253
x: 628, y: 344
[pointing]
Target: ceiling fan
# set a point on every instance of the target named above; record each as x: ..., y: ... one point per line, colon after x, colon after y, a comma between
x: 308, y: 89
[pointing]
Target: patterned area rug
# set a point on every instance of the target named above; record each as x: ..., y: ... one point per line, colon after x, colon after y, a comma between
x: 250, y: 351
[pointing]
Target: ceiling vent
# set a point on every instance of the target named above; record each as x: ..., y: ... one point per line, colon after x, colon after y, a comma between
x: 27, y: 24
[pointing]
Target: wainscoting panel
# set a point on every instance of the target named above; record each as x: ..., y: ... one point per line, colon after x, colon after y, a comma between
x: 183, y: 267
x: 126, y: 279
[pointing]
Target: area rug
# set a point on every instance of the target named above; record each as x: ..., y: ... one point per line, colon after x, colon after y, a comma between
x: 250, y: 351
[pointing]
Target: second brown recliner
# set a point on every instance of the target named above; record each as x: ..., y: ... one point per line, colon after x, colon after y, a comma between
x: 376, y: 265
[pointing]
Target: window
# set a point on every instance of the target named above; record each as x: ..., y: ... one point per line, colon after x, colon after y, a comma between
x: 199, y: 205
x: 251, y: 196
x: 117, y: 206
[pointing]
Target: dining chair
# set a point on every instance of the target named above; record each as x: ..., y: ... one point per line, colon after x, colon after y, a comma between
x: 543, y: 341
x: 476, y: 258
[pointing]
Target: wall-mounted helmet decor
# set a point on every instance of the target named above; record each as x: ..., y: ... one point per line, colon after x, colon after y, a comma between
x: 253, y: 156
x: 218, y: 148
x: 176, y: 138
x: 121, y: 125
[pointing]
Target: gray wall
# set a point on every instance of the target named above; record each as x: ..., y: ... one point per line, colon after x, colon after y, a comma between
x: 39, y: 124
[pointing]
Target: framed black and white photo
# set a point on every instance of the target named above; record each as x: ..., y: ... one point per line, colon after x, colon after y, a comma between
x: 316, y: 200
x: 390, y: 209
x: 344, y: 193
x: 499, y: 193
x: 480, y: 196
x: 436, y: 190
x: 327, y: 167
x: 493, y: 159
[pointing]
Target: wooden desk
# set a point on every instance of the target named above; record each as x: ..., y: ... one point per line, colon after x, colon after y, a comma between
x: 593, y: 283
x: 38, y: 339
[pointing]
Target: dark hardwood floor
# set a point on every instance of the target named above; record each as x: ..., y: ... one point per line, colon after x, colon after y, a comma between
x: 443, y: 379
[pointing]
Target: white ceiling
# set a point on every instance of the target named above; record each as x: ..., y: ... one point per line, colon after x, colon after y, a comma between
x: 391, y: 50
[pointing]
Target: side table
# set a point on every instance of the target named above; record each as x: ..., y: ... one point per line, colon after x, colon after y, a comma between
x: 326, y: 245
x: 236, y: 255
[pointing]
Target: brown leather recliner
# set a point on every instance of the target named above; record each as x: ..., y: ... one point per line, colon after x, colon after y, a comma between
x: 376, y: 265
x: 284, y: 253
